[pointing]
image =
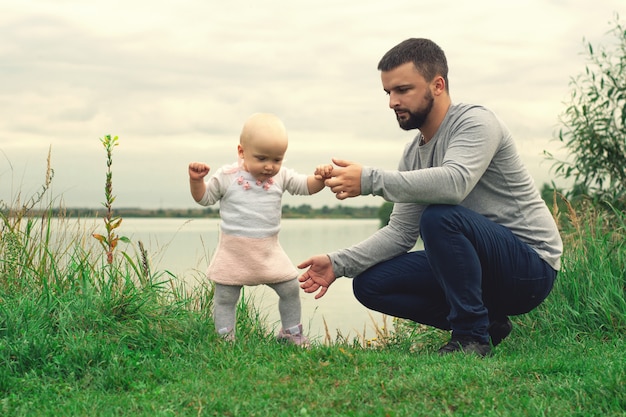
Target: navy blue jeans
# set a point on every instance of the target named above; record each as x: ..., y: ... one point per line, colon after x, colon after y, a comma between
x: 471, y: 272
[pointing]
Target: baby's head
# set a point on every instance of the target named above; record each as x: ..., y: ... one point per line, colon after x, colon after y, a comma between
x: 262, y: 145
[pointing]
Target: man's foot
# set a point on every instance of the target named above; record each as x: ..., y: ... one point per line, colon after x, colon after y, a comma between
x: 498, y: 330
x: 465, y: 344
x: 293, y: 335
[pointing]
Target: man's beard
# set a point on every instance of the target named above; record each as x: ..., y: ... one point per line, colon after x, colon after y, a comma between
x: 417, y: 119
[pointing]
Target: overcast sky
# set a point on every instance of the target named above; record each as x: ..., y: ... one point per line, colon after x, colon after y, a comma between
x: 176, y: 79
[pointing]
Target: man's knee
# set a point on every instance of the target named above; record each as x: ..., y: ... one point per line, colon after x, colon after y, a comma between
x: 438, y: 216
x: 362, y: 288
x: 435, y: 212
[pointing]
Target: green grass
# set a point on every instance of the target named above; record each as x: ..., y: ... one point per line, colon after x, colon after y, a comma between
x: 80, y: 336
x: 526, y: 377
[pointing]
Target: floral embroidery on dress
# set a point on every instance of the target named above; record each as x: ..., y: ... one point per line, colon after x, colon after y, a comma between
x: 241, y: 181
x: 246, y: 184
x: 268, y: 184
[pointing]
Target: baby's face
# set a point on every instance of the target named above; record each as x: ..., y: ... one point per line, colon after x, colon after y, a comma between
x: 262, y: 159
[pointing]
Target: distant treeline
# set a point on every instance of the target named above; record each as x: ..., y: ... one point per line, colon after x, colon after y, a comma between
x: 289, y: 212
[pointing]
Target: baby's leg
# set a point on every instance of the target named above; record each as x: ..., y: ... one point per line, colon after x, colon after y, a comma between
x: 290, y: 313
x: 225, y: 301
x: 288, y: 303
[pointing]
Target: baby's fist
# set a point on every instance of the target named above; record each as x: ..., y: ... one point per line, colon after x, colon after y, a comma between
x: 198, y: 170
x: 323, y: 172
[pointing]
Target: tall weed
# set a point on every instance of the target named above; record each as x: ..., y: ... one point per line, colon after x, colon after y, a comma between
x: 589, y: 296
x: 67, y: 310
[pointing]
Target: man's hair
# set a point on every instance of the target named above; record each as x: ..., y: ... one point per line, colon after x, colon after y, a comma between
x: 428, y: 58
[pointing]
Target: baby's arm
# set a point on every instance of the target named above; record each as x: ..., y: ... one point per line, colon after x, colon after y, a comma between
x: 197, y: 172
x: 315, y: 182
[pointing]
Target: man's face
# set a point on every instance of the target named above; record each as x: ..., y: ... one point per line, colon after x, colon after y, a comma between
x: 410, y: 95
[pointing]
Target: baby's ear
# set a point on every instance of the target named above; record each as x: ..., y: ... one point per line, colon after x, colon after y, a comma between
x: 240, y: 151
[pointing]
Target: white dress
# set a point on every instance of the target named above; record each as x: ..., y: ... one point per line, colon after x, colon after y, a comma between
x: 248, y: 252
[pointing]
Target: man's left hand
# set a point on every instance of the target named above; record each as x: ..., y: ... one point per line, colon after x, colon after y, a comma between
x: 345, y: 180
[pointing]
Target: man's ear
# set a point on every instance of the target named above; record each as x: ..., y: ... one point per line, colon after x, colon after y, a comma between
x: 439, y: 85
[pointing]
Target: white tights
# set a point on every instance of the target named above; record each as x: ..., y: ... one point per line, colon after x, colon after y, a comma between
x: 226, y: 297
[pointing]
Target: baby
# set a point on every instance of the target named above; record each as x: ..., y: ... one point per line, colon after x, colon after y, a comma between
x: 250, y: 195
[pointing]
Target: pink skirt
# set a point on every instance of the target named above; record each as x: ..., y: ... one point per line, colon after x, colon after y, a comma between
x: 250, y: 261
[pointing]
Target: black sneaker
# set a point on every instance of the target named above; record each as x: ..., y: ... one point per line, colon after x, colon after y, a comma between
x: 498, y: 330
x: 465, y: 344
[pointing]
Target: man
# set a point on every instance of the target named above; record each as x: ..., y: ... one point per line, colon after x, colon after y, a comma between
x: 491, y: 246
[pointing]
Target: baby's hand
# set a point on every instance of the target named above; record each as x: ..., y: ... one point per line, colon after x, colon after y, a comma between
x: 198, y: 170
x: 323, y: 172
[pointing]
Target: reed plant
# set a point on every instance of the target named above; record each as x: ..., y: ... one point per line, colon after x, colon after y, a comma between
x: 589, y: 294
x: 67, y: 309
x: 110, y: 240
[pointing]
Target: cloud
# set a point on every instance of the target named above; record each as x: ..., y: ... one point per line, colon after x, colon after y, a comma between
x: 175, y: 80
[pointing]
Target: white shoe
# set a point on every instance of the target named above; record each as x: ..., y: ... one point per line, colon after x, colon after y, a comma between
x: 227, y: 334
x: 293, y: 335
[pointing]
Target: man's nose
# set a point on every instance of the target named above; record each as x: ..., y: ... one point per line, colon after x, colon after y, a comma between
x: 393, y: 100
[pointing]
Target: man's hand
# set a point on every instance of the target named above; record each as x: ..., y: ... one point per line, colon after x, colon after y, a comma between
x: 319, y: 276
x: 346, y: 179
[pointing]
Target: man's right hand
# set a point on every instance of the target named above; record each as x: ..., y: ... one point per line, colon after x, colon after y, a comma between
x: 319, y: 276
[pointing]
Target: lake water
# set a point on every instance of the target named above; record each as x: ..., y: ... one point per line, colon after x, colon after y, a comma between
x: 184, y: 247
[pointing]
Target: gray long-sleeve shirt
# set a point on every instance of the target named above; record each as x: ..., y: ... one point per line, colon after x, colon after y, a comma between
x: 471, y: 161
